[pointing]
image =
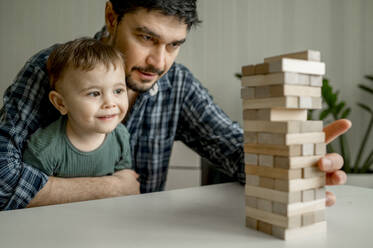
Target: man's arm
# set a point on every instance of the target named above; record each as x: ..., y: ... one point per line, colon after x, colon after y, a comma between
x: 65, y: 190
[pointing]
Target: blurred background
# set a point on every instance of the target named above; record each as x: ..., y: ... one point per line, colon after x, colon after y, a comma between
x: 233, y: 33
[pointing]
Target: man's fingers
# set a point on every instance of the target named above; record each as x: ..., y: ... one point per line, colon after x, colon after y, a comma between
x: 331, y: 162
x: 336, y: 128
x: 330, y: 199
x: 336, y: 178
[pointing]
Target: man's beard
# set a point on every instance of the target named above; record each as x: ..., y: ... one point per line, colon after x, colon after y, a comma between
x: 142, y: 86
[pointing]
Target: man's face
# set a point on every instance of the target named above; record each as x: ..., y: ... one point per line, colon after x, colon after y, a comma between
x: 95, y: 101
x: 150, y: 42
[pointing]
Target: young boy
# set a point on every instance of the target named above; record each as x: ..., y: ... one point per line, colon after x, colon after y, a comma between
x: 88, y: 85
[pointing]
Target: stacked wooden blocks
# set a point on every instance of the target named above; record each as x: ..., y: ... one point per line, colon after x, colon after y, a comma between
x: 285, y: 193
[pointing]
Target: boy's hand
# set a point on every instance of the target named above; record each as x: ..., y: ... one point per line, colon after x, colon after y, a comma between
x: 126, y: 183
x: 333, y: 162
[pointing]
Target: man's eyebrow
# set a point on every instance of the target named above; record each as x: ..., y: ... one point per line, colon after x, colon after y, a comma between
x: 145, y: 30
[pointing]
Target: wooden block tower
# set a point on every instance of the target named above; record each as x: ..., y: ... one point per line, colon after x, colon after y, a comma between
x: 285, y: 193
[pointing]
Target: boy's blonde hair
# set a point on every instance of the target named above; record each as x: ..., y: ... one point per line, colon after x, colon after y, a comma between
x: 83, y: 54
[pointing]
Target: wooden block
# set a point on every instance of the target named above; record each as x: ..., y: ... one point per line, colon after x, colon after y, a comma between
x: 262, y: 68
x: 308, y: 195
x: 251, y: 223
x: 272, y: 102
x: 296, y: 162
x: 312, y: 172
x: 251, y: 159
x: 299, y: 233
x: 316, y: 81
x: 248, y: 70
x: 275, y: 173
x: 313, y: 217
x: 251, y: 201
x: 298, y: 184
x: 292, y: 90
x: 265, y: 227
x: 273, y: 195
x: 290, y: 151
x: 267, y: 182
x: 247, y: 93
x: 320, y: 193
x: 250, y: 137
x: 310, y: 55
x: 265, y: 205
x: 316, y: 103
x: 305, y: 102
x: 288, y: 102
x: 280, y: 114
x: 275, y: 219
x: 271, y: 138
x: 273, y: 126
x: 251, y: 169
x: 305, y: 138
x: 297, y: 208
x: 307, y: 149
x: 320, y: 149
x: 250, y: 114
x: 291, y: 139
x: 266, y: 160
x: 275, y: 79
x: 311, y: 126
x: 263, y: 92
x: 296, y: 65
x: 252, y: 180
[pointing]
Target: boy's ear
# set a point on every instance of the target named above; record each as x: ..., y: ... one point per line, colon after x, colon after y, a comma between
x: 110, y: 18
x: 58, y: 102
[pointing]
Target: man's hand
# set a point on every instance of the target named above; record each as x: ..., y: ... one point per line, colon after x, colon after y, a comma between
x: 333, y: 162
x: 126, y: 183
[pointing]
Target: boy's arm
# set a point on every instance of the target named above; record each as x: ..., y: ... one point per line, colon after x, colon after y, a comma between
x: 123, y: 138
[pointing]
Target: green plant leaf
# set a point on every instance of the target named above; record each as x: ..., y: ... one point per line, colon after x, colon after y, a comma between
x: 365, y: 88
x: 339, y: 107
x: 325, y: 113
x: 346, y: 113
x: 365, y: 107
x: 238, y: 75
x: 369, y: 77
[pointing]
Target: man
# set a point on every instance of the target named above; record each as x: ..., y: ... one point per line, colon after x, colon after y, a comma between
x: 166, y: 103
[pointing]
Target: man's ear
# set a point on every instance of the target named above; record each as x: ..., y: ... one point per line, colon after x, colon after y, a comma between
x: 58, y: 102
x: 110, y: 18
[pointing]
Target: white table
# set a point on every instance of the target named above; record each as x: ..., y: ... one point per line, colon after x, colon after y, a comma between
x: 211, y: 216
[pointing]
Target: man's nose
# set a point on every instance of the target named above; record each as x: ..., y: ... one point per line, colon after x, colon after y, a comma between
x: 157, y: 57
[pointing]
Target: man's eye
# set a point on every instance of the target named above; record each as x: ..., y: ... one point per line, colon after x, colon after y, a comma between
x: 146, y: 37
x: 94, y: 93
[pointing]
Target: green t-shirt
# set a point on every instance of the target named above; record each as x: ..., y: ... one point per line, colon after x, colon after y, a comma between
x: 50, y: 150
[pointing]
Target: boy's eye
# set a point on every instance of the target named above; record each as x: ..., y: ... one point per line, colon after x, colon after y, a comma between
x: 118, y: 91
x: 94, y: 93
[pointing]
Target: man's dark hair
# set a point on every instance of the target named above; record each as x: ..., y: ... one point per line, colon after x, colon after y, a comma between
x: 185, y: 10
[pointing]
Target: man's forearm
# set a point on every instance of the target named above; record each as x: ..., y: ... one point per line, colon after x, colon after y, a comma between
x: 65, y: 190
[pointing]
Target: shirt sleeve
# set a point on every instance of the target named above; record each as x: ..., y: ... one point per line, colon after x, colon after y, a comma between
x: 20, y: 117
x: 205, y: 128
x: 123, y: 138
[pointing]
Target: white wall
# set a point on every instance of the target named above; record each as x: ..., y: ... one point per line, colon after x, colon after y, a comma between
x: 233, y: 33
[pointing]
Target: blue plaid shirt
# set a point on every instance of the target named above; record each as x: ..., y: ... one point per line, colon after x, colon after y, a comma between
x: 178, y: 107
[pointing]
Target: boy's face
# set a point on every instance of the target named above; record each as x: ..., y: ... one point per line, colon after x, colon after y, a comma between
x: 95, y: 101
x: 150, y: 42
